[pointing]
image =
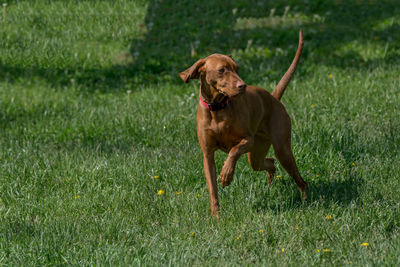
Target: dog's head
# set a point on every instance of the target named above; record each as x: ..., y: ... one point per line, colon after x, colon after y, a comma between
x: 218, y: 74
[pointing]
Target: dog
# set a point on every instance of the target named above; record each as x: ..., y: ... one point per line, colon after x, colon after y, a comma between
x: 238, y: 118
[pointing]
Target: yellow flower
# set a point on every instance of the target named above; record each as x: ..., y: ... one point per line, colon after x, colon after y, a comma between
x: 197, y: 195
x: 353, y: 164
x: 317, y: 175
x: 278, y: 176
x: 238, y: 237
x: 160, y: 192
x: 365, y: 244
x: 330, y: 76
x: 283, y: 250
x: 178, y: 193
x: 327, y: 250
x: 192, y: 234
x: 156, y: 176
x: 313, y: 105
x: 76, y: 197
x: 297, y: 228
x: 261, y: 231
x: 329, y: 217
x: 317, y: 250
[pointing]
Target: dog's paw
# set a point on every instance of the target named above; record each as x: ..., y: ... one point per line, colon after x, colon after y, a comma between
x: 303, y: 188
x: 270, y: 176
x: 269, y: 164
x: 226, y: 176
x: 304, y: 191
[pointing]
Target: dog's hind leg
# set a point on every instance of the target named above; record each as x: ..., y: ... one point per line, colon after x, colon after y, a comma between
x: 257, y: 159
x: 281, y: 140
x: 285, y: 156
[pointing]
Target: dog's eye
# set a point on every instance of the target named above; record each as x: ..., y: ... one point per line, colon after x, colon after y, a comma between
x: 221, y: 70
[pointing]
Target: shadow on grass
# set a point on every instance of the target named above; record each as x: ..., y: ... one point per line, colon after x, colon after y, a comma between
x: 261, y: 34
x: 321, y: 193
x: 88, y: 79
x: 258, y: 31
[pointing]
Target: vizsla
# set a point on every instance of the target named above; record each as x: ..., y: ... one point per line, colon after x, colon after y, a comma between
x: 239, y: 119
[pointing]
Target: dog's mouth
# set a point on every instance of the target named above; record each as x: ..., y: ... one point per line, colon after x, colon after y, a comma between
x: 232, y: 93
x: 221, y: 92
x: 235, y: 93
x: 241, y: 91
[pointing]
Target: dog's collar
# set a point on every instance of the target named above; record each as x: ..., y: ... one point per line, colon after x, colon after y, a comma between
x: 215, y: 106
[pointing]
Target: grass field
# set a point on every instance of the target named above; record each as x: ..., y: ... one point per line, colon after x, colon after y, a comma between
x: 94, y: 122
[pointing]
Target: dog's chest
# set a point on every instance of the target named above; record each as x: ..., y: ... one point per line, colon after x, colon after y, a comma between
x: 226, y: 134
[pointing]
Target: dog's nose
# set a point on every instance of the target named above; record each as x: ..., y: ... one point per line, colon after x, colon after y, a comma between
x: 241, y: 85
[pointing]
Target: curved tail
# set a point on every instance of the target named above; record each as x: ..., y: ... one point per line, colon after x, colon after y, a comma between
x: 280, y: 88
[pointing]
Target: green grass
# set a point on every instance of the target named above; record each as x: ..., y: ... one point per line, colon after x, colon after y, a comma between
x: 92, y: 109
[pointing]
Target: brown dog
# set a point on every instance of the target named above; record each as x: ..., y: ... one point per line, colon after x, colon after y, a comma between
x: 241, y: 119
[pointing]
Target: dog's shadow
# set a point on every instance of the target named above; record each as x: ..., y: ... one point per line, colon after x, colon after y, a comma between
x: 283, y: 196
x: 346, y: 186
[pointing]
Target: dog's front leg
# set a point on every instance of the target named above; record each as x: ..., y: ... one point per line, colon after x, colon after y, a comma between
x: 211, y: 178
x: 226, y: 176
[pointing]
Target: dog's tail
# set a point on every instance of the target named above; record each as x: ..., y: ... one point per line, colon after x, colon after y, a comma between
x: 280, y: 88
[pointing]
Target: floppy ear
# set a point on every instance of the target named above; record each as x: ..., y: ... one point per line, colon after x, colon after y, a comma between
x: 192, y: 72
x: 231, y: 57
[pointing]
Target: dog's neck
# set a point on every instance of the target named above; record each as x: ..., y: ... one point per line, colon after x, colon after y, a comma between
x: 208, y: 93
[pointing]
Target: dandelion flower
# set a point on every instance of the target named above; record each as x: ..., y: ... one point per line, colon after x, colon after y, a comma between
x: 283, y: 250
x: 178, y: 193
x: 327, y: 250
x: 353, y: 164
x: 297, y: 228
x: 329, y: 217
x: 313, y: 105
x: 160, y: 192
x: 239, y: 237
x: 76, y: 197
x: 261, y: 231
x: 317, y: 250
x: 330, y: 76
x: 156, y: 176
x: 192, y: 234
x: 365, y: 244
x: 278, y: 176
